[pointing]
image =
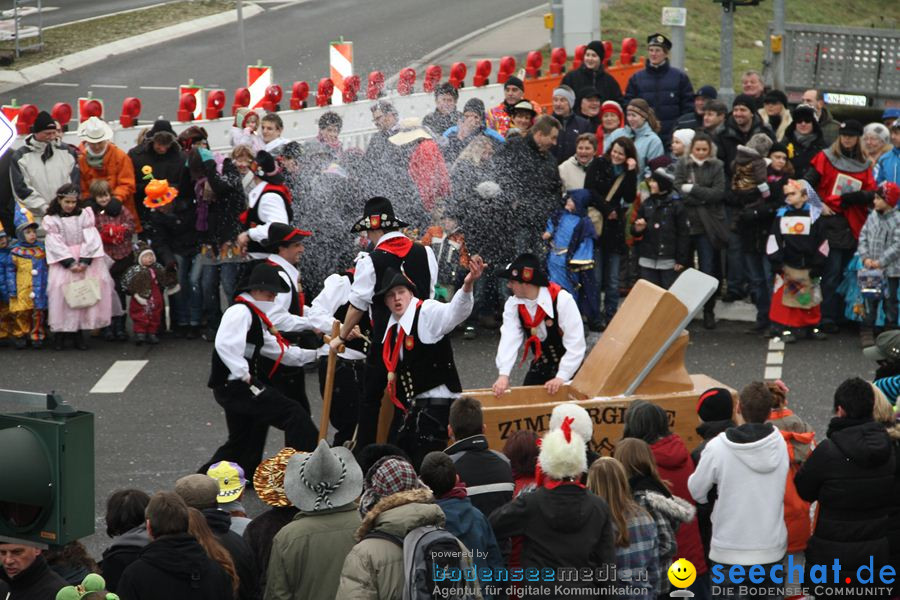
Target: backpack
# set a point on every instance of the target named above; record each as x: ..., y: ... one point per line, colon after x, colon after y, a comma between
x: 428, y: 551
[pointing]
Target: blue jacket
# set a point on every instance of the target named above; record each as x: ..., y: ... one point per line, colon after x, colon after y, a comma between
x: 646, y: 142
x: 30, y: 261
x: 667, y: 90
x: 487, y: 131
x: 473, y: 529
x: 5, y: 264
x: 888, y: 168
x: 574, y: 230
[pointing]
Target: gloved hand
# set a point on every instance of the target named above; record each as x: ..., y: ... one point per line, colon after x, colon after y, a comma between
x: 205, y: 154
x: 852, y: 198
x: 686, y: 188
x: 764, y: 189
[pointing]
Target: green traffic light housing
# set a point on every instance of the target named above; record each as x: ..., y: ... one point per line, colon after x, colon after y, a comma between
x: 46, y: 472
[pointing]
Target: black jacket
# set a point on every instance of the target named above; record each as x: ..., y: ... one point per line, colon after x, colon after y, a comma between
x: 564, y: 527
x: 175, y: 232
x: 797, y: 251
x: 174, y: 566
x: 730, y: 137
x: 603, y: 82
x: 37, y: 582
x: 667, y: 234
x: 803, y: 151
x: 219, y: 522
x: 531, y: 190
x: 439, y: 122
x: 123, y: 551
x: 486, y: 473
x: 168, y: 166
x: 850, y: 474
x: 572, y: 127
x: 667, y: 90
x: 599, y: 180
x: 261, y: 531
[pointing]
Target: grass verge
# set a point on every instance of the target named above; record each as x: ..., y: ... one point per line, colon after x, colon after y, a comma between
x: 66, y: 39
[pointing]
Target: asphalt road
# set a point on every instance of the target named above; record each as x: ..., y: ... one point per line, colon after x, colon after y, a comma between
x: 166, y: 423
x: 292, y: 38
x: 66, y: 11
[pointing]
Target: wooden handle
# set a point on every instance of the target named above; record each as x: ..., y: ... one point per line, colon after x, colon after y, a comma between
x: 329, y: 381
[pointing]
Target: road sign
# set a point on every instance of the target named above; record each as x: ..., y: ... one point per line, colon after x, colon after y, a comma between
x: 673, y: 16
x: 7, y: 134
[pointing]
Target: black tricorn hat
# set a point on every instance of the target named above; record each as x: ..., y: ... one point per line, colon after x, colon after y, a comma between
x: 526, y: 268
x: 280, y: 233
x: 394, y: 278
x: 378, y: 214
x: 267, y: 278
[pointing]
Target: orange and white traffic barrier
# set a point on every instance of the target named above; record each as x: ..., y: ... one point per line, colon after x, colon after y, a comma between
x: 190, y: 90
x: 259, y: 78
x: 340, y: 56
x: 20, y: 117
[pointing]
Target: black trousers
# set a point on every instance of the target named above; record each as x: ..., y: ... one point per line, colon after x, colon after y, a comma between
x: 423, y: 429
x: 349, y: 388
x: 370, y: 404
x: 249, y: 416
x: 540, y: 372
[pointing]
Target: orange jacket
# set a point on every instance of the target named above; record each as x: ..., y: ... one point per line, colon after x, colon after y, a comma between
x: 118, y: 171
x: 796, y: 510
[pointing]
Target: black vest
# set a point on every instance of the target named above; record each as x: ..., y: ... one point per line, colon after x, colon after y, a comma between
x: 425, y: 366
x: 219, y: 373
x: 296, y: 308
x: 365, y: 327
x: 415, y: 265
x: 552, y: 348
x: 253, y: 220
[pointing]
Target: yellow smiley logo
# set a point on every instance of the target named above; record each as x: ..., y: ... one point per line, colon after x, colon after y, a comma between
x: 682, y: 573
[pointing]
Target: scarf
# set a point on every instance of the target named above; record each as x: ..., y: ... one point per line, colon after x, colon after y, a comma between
x: 458, y: 491
x: 45, y: 148
x: 95, y: 161
x: 804, y: 139
x: 697, y: 162
x: 531, y: 323
x: 390, y: 355
x: 282, y: 343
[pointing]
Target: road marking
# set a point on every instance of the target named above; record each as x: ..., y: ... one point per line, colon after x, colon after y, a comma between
x: 118, y: 377
x: 61, y: 84
x: 774, y: 359
x: 111, y: 86
x: 158, y: 87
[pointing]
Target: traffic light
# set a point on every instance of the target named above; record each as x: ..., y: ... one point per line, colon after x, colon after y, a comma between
x: 46, y: 472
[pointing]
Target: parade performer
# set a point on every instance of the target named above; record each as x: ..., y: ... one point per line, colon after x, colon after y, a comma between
x: 26, y: 283
x: 268, y: 202
x: 547, y: 319
x: 391, y: 248
x: 418, y: 357
x: 248, y: 352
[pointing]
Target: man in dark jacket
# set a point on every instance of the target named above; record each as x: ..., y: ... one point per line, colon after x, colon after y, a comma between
x: 445, y: 114
x: 572, y: 125
x: 174, y: 564
x: 486, y: 473
x: 591, y: 74
x: 667, y: 89
x: 694, y: 119
x: 850, y: 475
x: 200, y: 492
x: 804, y: 137
x: 25, y: 574
x: 529, y: 181
x: 159, y: 151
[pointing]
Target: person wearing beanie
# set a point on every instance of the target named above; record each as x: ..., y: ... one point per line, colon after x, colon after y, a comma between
x: 662, y: 222
x: 803, y: 138
x: 499, y: 118
x: 40, y: 166
x: 161, y: 152
x: 445, y: 114
x: 715, y: 410
x: 843, y: 179
x: 749, y: 465
x: 563, y: 524
x: 572, y: 125
x: 888, y: 167
x: 694, y: 119
x: 470, y: 125
x: 147, y: 282
x: 642, y: 127
x: 775, y: 113
x: 612, y: 117
x: 591, y: 75
x: 815, y: 99
x: 879, y: 248
x: 667, y: 89
x: 681, y: 142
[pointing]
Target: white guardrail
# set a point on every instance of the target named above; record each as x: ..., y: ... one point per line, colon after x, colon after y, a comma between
x: 301, y: 125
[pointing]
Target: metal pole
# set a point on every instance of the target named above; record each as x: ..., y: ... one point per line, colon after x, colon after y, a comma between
x: 240, y: 21
x: 778, y: 57
x: 726, y: 73
x: 676, y: 58
x: 557, y: 39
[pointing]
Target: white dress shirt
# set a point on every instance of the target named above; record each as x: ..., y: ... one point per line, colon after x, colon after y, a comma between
x: 271, y: 210
x: 512, y: 334
x: 335, y: 293
x: 231, y: 340
x: 282, y: 318
x: 436, y: 319
x: 363, y: 289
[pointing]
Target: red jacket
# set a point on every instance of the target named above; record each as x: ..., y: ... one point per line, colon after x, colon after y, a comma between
x: 856, y: 214
x: 675, y: 466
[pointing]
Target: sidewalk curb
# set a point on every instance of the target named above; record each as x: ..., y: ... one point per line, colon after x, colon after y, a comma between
x: 11, y: 79
x: 448, y: 48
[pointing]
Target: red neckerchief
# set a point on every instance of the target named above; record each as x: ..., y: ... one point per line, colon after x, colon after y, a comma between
x: 531, y: 323
x: 282, y: 343
x: 390, y: 354
x: 300, y: 296
x: 398, y: 246
x: 285, y: 192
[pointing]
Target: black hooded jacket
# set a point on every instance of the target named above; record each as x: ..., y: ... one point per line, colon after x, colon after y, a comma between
x: 124, y: 550
x: 219, y: 522
x: 37, y: 582
x: 174, y: 566
x: 583, y: 78
x: 850, y: 474
x: 802, y: 152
